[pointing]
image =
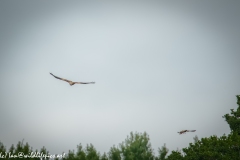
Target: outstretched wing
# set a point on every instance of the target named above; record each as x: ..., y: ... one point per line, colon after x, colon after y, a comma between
x: 191, y: 130
x: 61, y: 78
x: 84, y: 82
x: 183, y: 131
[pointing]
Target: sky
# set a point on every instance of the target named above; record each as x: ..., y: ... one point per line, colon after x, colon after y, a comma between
x: 159, y: 67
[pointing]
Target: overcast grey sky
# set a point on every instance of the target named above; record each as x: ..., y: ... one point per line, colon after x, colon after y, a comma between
x: 159, y: 67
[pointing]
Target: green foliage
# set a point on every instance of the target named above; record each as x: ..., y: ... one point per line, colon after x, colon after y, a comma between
x: 224, y: 147
x: 233, y: 119
x: 21, y: 151
x: 137, y: 147
x: 44, y: 151
x: 175, y: 155
x: 80, y: 153
x: 91, y: 153
x: 214, y: 148
x: 2, y: 148
x: 11, y: 149
x: 114, y: 153
x: 70, y: 155
x: 104, y: 156
x: 162, y: 153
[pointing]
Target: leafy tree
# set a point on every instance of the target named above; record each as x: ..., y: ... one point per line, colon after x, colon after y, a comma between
x: 114, y: 153
x: 19, y: 151
x: 44, y: 151
x: 12, y: 149
x: 36, y: 158
x: 27, y: 149
x: 224, y: 147
x: 19, y: 148
x: 2, y: 148
x: 162, y: 153
x: 2, y: 151
x: 214, y: 148
x: 175, y: 155
x: 91, y: 153
x: 137, y: 147
x: 70, y: 155
x: 234, y: 119
x: 104, y: 156
x: 80, y: 153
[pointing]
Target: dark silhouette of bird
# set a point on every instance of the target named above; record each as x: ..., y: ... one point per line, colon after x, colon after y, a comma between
x: 184, y: 131
x: 71, y: 82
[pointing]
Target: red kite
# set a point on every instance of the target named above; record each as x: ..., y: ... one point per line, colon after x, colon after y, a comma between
x: 71, y: 82
x: 184, y: 131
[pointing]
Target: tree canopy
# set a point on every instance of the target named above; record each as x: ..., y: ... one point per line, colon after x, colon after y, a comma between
x: 137, y: 146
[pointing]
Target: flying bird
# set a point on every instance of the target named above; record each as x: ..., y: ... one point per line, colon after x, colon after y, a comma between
x: 71, y: 82
x: 184, y: 131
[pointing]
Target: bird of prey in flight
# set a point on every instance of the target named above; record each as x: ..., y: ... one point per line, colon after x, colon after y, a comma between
x: 184, y: 131
x: 71, y: 82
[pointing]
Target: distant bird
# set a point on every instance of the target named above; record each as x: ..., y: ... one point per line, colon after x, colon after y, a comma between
x: 184, y: 131
x: 71, y: 82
